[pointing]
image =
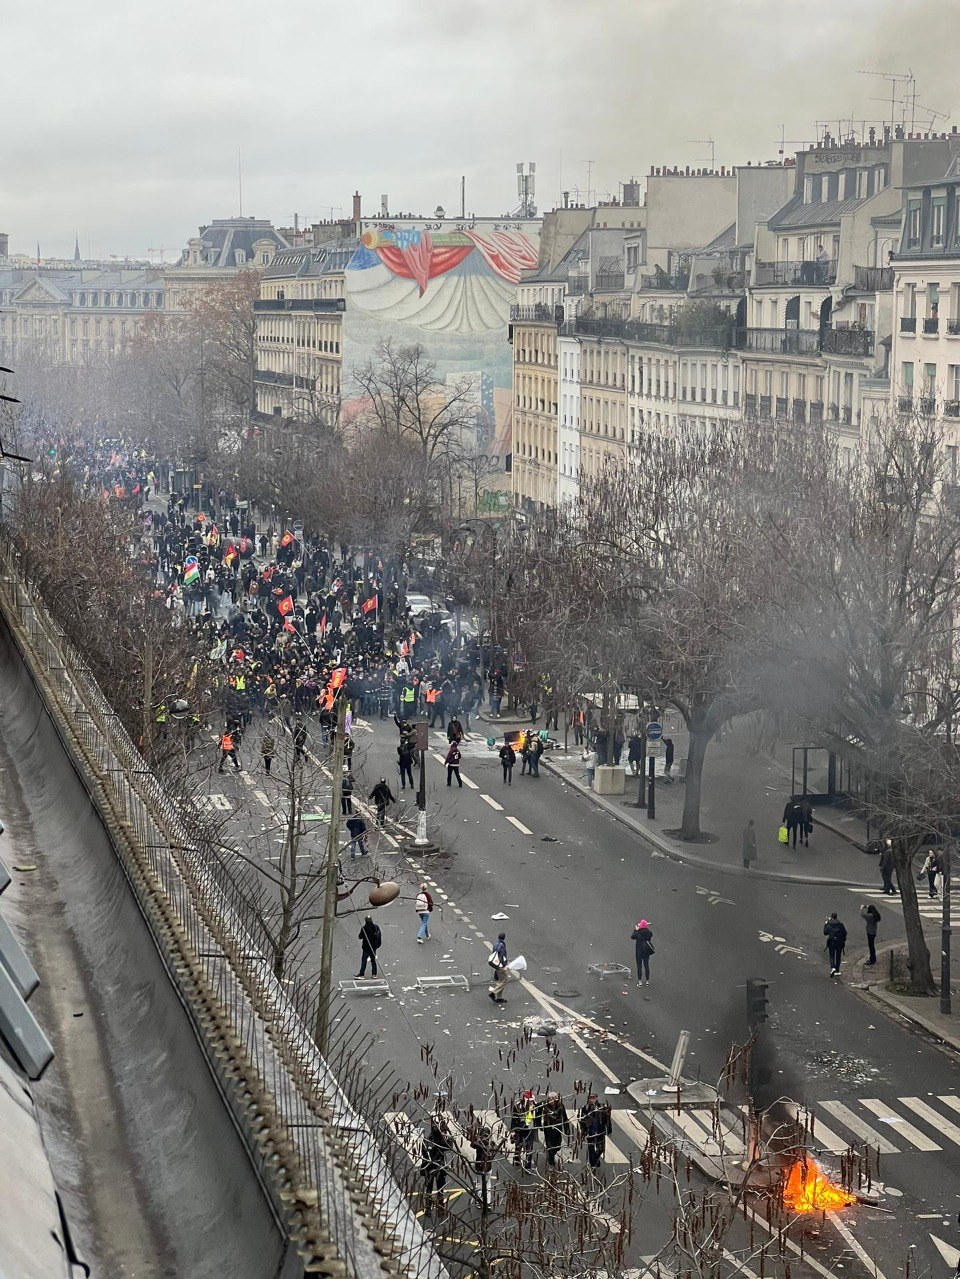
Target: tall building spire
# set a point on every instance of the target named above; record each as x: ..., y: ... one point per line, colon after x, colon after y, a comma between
x: 76, y: 248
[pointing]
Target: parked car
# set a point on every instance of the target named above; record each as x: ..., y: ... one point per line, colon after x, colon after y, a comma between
x: 419, y: 604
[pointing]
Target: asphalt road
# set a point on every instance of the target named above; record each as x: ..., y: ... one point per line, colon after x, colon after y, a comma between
x: 571, y: 902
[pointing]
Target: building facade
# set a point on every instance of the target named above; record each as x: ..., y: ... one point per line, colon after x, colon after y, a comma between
x: 299, y: 334
x: 70, y: 316
x: 219, y: 252
x: 925, y: 362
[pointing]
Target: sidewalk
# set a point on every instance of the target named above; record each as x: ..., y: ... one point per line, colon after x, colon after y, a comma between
x: 736, y: 786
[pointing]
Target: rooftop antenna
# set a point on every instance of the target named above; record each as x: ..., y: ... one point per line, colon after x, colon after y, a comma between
x: 895, y: 77
x: 589, y: 164
x: 240, y: 180
x: 794, y: 142
x: 706, y: 142
x: 934, y: 115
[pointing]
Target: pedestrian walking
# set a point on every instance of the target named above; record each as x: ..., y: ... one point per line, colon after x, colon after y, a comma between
x: 554, y: 1123
x: 382, y: 795
x: 589, y: 757
x: 498, y: 962
x: 228, y: 749
x: 358, y: 836
x: 346, y: 793
x: 749, y: 844
x: 634, y: 753
x: 299, y: 739
x: 433, y: 1163
x: 424, y: 908
x: 508, y: 757
x: 481, y: 1140
x: 932, y: 866
x: 836, y: 935
x: 370, y: 942
x: 642, y: 936
x: 405, y: 764
x: 793, y: 820
x: 806, y: 818
x: 452, y: 762
x: 886, y: 865
x: 268, y: 746
x: 669, y: 753
x: 523, y: 1129
x: 595, y: 1127
x: 871, y: 918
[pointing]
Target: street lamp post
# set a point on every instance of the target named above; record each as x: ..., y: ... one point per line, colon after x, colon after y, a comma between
x: 322, y: 1030
x: 945, y: 931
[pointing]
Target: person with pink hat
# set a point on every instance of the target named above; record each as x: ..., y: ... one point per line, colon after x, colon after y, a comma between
x: 643, y: 936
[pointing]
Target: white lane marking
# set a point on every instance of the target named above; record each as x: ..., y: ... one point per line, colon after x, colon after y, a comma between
x: 936, y: 1122
x: 861, y: 1252
x: 739, y: 1267
x: 524, y: 830
x: 468, y: 782
x: 819, y: 1135
x: 441, y: 758
x: 899, y: 1124
x: 263, y: 798
x: 492, y: 802
x: 856, y: 1124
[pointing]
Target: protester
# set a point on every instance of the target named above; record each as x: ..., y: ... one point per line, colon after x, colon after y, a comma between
x: 508, y: 757
x: 871, y: 918
x: 370, y: 942
x: 836, y: 935
x: 642, y: 935
x: 424, y: 908
x: 595, y: 1127
x: 498, y: 962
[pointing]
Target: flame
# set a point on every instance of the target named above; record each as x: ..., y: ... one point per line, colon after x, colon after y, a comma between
x: 808, y: 1190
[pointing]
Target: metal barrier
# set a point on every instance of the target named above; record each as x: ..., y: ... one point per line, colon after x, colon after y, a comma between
x: 314, y: 1128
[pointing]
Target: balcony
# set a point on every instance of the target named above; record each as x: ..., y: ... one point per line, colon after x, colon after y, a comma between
x: 312, y: 305
x: 782, y: 406
x: 813, y: 274
x: 953, y: 328
x: 578, y: 285
x: 750, y: 406
x: 765, y: 406
x: 779, y: 341
x: 904, y: 403
x: 928, y: 405
x: 846, y: 415
x: 800, y: 411
x: 856, y: 342
x: 816, y: 411
x: 908, y: 324
x: 951, y: 408
x: 668, y: 283
x: 873, y: 279
x: 609, y: 281
x: 536, y: 313
x: 931, y: 325
x: 718, y: 338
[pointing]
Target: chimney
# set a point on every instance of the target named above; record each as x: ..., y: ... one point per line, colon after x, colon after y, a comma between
x: 5, y: 241
x: 872, y: 135
x: 566, y: 199
x: 356, y: 207
x: 384, y: 206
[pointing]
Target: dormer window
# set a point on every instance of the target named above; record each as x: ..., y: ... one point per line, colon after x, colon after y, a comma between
x: 938, y: 220
x: 240, y: 257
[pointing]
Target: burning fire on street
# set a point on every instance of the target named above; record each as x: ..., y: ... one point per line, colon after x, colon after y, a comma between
x: 806, y: 1189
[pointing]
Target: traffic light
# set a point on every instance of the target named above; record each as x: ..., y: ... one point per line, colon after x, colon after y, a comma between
x: 756, y: 1003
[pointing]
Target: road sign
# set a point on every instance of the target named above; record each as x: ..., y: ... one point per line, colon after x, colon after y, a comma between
x: 298, y: 531
x: 654, y: 731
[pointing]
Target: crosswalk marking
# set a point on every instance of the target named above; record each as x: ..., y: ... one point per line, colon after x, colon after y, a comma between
x: 899, y: 1124
x: 410, y: 1135
x: 821, y: 1136
x: 631, y: 1127
x: 943, y: 1126
x: 929, y: 907
x: 717, y: 1141
x: 857, y: 1125
x: 469, y: 782
x: 524, y: 830
x: 492, y: 802
x: 952, y: 1102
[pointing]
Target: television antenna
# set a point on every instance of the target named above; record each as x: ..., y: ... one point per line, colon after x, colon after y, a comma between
x: 706, y: 142
x: 905, y: 78
x: 794, y: 142
x: 934, y: 115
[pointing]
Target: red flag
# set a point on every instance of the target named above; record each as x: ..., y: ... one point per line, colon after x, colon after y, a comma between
x: 369, y: 605
x: 136, y: 489
x: 404, y: 648
x: 287, y: 538
x: 338, y: 676
x: 323, y: 625
x: 230, y: 553
x: 288, y: 625
x: 286, y: 605
x: 238, y: 655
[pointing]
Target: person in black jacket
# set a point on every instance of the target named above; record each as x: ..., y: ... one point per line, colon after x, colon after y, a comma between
x: 836, y: 935
x: 370, y: 940
x: 382, y: 795
x: 508, y: 757
x: 595, y: 1127
x: 643, y: 936
x: 433, y: 1165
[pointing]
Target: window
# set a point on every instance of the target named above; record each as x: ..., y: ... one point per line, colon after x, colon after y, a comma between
x: 906, y: 377
x: 703, y: 381
x: 801, y: 386
x: 913, y: 224
x: 767, y: 382
x: 784, y: 386
x: 933, y: 301
x: 930, y: 381
x: 938, y: 219
x: 953, y: 381
x: 862, y: 176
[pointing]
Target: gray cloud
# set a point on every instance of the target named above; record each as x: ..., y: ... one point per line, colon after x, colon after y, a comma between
x: 123, y: 122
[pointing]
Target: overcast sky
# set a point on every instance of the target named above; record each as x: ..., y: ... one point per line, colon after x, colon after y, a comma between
x: 122, y: 121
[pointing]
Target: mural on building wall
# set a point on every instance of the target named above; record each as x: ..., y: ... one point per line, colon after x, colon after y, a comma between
x: 453, y: 279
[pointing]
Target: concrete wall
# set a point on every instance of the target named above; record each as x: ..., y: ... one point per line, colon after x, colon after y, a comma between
x: 761, y: 191
x: 155, y: 1178
x: 687, y: 212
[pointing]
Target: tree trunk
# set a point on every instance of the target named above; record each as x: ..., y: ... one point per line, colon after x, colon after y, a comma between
x: 921, y: 974
x: 696, y: 753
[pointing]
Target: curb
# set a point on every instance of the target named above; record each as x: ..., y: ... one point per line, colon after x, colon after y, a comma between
x: 892, y: 1005
x: 681, y: 855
